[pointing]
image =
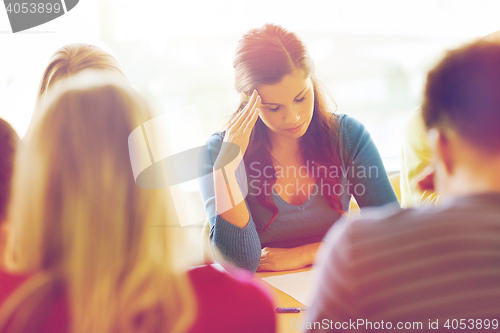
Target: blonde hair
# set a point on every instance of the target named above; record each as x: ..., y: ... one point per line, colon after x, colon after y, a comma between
x: 80, y: 219
x: 73, y: 58
x: 69, y: 60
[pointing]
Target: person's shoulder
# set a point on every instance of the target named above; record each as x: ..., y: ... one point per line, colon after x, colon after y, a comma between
x: 385, y: 216
x: 237, y: 296
x: 388, y: 237
x: 389, y: 222
x: 351, y: 133
x: 240, y: 281
x: 349, y: 125
x: 56, y: 319
x: 10, y: 282
x: 377, y: 230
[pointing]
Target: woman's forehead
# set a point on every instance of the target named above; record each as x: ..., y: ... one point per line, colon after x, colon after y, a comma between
x: 290, y: 87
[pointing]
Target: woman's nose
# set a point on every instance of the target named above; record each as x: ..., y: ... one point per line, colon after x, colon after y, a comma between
x: 291, y: 116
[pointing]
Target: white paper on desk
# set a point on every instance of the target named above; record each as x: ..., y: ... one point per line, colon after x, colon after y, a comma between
x: 297, y: 285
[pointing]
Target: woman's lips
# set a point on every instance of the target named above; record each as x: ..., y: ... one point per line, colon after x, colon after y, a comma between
x: 295, y: 129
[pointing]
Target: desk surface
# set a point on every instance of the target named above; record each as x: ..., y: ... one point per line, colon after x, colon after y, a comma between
x: 285, y: 321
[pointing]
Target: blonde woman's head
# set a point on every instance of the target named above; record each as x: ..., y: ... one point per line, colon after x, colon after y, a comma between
x: 70, y: 60
x: 79, y: 169
x: 78, y: 213
x: 73, y: 58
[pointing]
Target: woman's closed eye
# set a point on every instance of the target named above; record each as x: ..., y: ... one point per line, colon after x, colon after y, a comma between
x: 278, y: 107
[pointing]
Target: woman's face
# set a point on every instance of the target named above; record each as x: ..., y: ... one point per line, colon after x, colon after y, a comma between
x: 287, y: 106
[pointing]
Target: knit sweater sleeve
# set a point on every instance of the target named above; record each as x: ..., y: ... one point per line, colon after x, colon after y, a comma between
x: 366, y: 173
x: 239, y: 246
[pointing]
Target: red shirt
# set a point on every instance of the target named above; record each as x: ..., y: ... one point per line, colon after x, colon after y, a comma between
x: 230, y: 303
x: 225, y: 303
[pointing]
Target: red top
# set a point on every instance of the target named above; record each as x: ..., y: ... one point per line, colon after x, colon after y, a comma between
x: 225, y: 303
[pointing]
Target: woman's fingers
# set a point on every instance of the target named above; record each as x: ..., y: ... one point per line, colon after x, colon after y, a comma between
x: 246, y: 111
x: 238, y: 131
x: 242, y: 113
x: 251, y: 121
x: 251, y: 113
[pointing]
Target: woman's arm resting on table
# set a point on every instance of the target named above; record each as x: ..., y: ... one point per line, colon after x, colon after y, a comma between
x: 278, y: 259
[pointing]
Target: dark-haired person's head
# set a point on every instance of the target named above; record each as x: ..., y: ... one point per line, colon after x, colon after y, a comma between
x: 265, y: 57
x: 462, y: 111
x: 275, y: 62
x: 8, y: 145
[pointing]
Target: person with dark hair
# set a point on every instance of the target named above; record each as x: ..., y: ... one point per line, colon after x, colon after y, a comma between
x: 302, y: 163
x: 435, y: 267
x: 416, y: 156
x: 8, y: 144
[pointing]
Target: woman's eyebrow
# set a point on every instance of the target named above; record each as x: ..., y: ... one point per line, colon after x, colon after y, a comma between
x: 300, y: 93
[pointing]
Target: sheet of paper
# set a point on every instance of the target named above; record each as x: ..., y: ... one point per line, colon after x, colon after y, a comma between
x: 297, y: 285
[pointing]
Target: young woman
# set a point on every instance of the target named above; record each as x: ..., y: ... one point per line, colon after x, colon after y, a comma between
x: 302, y: 163
x: 88, y: 256
x: 66, y: 61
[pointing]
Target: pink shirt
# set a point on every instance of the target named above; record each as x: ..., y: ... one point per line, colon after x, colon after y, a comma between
x: 225, y: 303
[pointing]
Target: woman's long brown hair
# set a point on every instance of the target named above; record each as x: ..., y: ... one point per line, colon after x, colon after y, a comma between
x: 264, y: 56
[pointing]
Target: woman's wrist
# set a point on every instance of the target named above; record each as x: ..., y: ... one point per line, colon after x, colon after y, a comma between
x: 308, y: 253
